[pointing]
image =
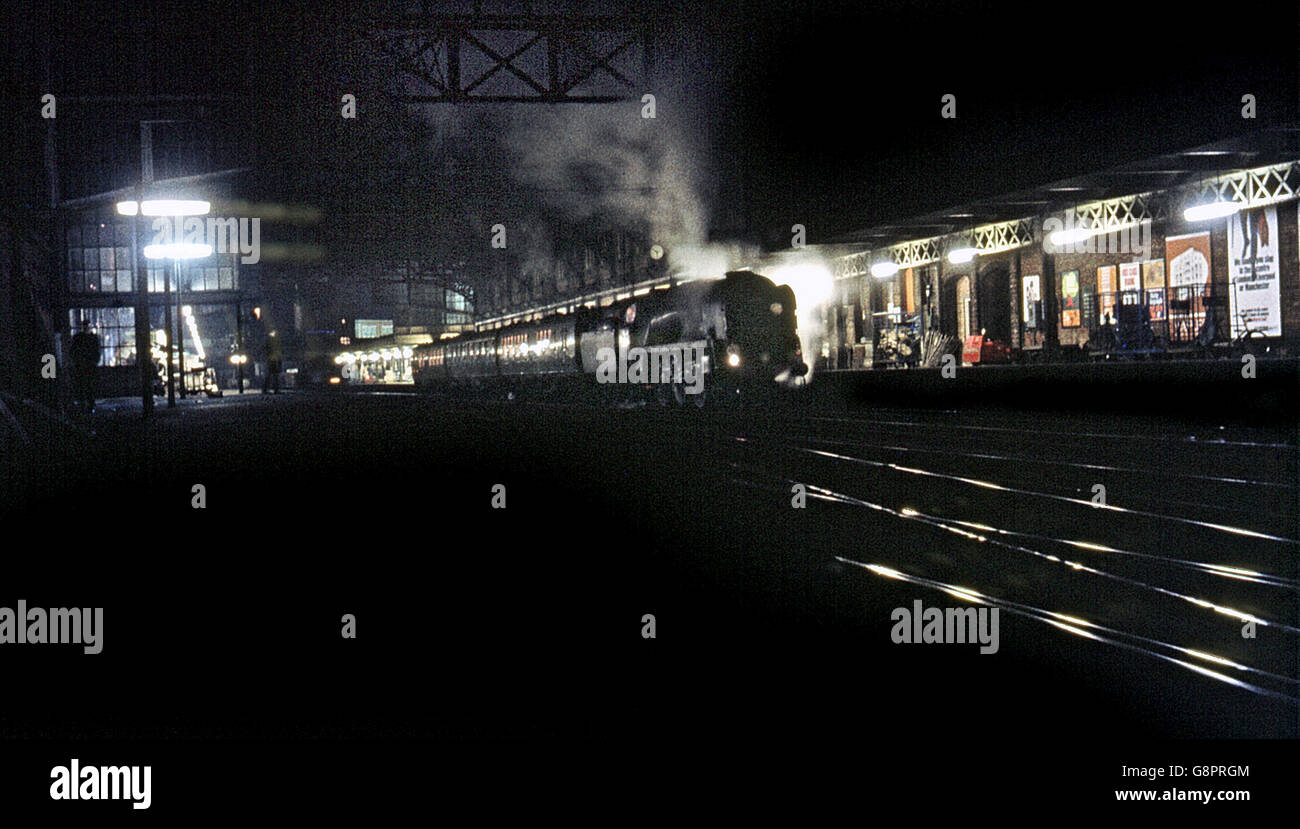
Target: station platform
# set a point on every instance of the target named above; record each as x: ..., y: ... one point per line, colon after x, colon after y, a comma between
x: 1210, y: 388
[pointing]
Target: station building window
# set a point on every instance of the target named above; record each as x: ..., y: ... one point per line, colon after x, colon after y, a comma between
x: 209, y: 277
x: 115, y: 328
x: 457, y: 308
x: 100, y: 260
x: 99, y: 257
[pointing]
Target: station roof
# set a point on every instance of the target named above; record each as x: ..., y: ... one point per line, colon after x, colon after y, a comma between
x: 1270, y: 145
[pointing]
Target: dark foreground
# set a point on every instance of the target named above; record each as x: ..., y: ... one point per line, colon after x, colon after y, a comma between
x: 515, y: 635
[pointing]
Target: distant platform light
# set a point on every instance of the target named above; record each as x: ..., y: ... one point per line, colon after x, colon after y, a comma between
x: 1213, y: 210
x: 884, y: 270
x: 960, y: 256
x: 1060, y: 238
x: 177, y: 250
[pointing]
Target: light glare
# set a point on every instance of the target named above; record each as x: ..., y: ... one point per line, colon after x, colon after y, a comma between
x: 1213, y: 210
x: 177, y: 250
x: 165, y: 207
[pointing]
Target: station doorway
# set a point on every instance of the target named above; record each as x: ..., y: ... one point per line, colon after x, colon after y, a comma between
x: 993, y: 301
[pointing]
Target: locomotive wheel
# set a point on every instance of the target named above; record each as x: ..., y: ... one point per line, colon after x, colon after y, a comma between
x: 700, y: 400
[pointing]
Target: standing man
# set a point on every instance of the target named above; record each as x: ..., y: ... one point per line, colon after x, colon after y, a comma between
x: 85, y: 364
x: 274, y: 362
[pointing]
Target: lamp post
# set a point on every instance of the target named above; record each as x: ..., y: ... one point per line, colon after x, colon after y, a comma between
x: 239, y: 343
x: 180, y: 325
x: 175, y: 251
x: 161, y: 208
x: 238, y: 361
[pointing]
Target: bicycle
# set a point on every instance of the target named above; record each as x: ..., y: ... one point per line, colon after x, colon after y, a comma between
x: 1249, y: 341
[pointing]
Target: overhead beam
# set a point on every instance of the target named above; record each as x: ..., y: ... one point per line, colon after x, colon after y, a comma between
x: 436, y: 52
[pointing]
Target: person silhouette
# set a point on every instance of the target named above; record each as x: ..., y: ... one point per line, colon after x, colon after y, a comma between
x: 85, y: 362
x: 274, y: 362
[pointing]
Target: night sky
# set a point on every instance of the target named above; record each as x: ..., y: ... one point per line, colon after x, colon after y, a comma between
x: 838, y: 104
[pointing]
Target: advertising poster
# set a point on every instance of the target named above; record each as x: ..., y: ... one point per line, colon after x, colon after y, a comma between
x: 1254, y: 297
x: 1153, y: 282
x: 1032, y: 296
x: 1130, y: 276
x: 1070, y: 299
x: 1189, y: 262
x: 1106, y: 288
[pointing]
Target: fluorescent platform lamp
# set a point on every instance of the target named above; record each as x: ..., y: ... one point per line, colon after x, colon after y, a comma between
x: 1213, y: 210
x: 165, y: 207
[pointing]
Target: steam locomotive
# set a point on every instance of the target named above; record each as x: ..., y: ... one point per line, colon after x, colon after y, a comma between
x: 688, y: 344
